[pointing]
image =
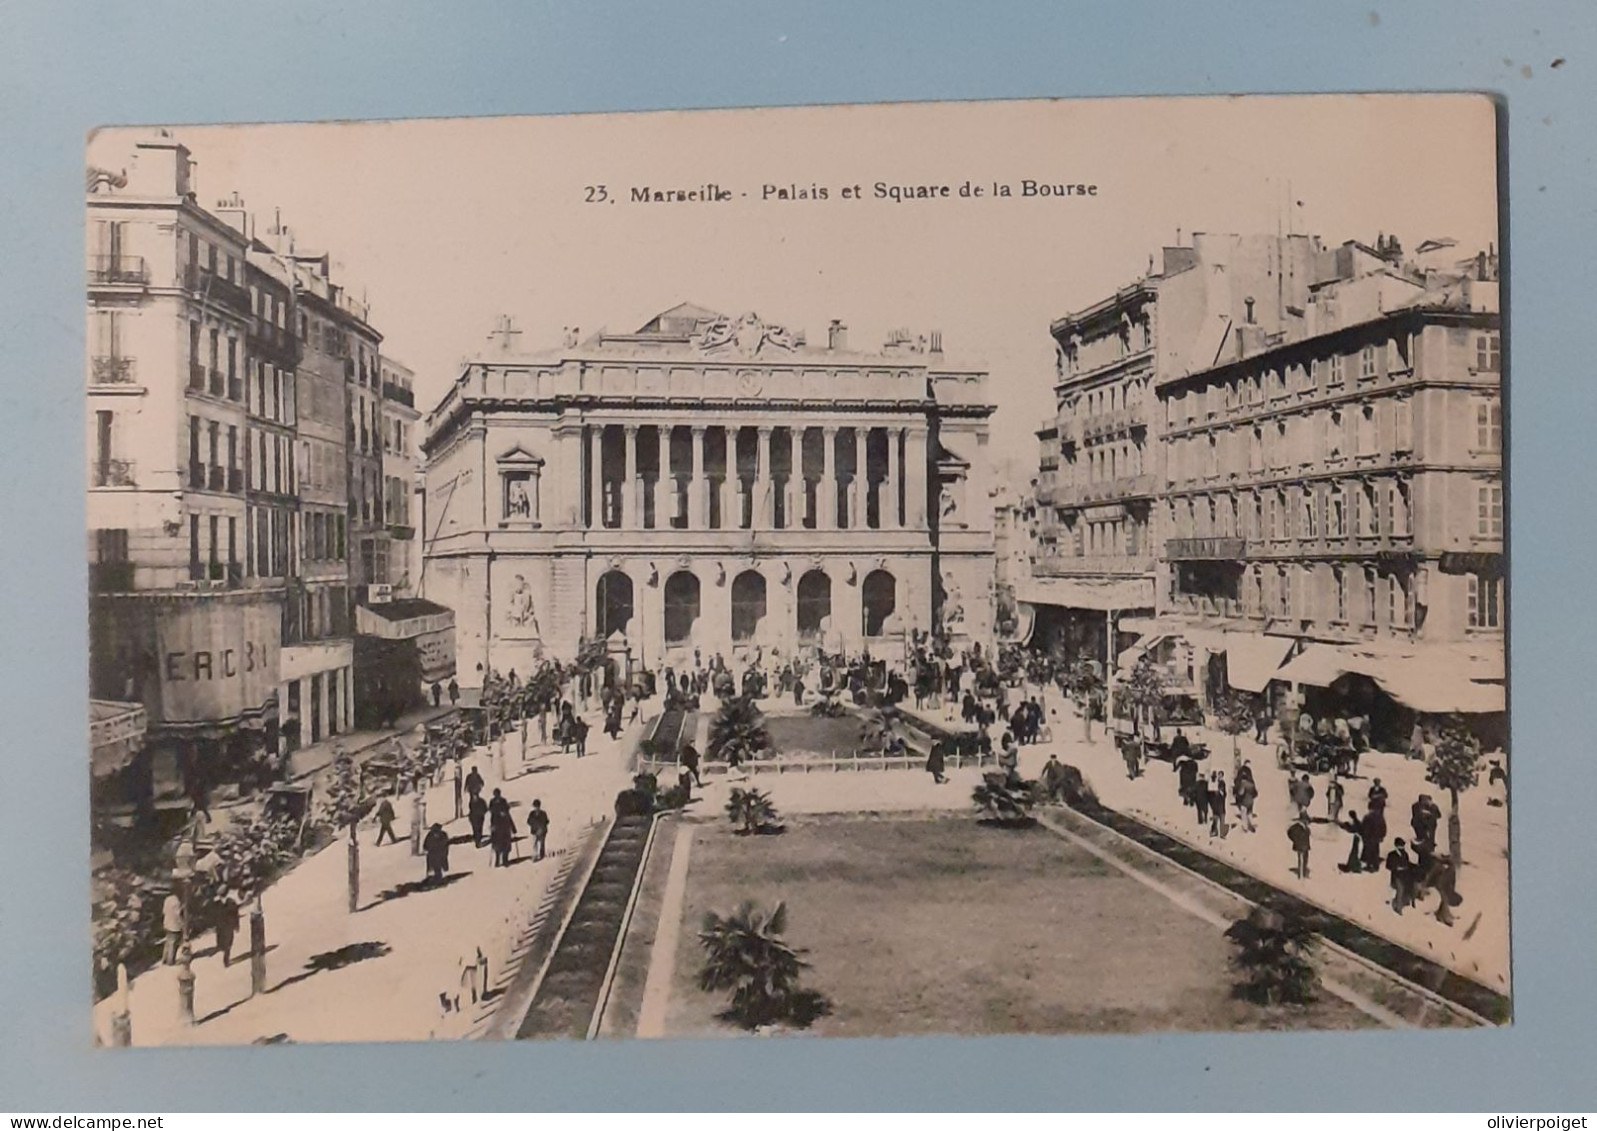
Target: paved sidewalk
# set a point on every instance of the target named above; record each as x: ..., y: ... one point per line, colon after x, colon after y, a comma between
x: 377, y: 974
x: 1477, y: 945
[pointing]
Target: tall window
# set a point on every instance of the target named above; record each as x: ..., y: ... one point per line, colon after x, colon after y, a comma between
x: 1283, y: 591
x: 1367, y: 363
x: 1488, y: 353
x: 1369, y: 511
x: 1398, y: 509
x: 1489, y: 511
x: 1369, y: 595
x: 1256, y: 450
x: 1402, y: 425
x: 194, y: 547
x: 1336, y: 369
x: 1488, y: 426
x: 1400, y: 610
x: 1336, y: 516
x: 1366, y: 430
x: 102, y: 448
x: 1310, y: 520
x: 1485, y: 601
x: 1339, y: 583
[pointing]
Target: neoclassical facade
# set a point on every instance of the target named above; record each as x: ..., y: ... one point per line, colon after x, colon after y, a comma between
x: 708, y: 483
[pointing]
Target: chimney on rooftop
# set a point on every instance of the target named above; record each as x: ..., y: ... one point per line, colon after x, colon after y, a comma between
x: 837, y: 336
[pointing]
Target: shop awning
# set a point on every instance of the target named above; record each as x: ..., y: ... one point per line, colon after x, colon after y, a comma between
x: 1081, y: 593
x: 1432, y: 688
x: 1319, y: 665
x: 116, y: 733
x: 1128, y: 659
x: 1251, y: 661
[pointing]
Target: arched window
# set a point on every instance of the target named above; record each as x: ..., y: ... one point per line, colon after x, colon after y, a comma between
x: 748, y: 605
x: 613, y: 603
x: 681, y: 606
x: 879, y: 594
x: 814, y: 602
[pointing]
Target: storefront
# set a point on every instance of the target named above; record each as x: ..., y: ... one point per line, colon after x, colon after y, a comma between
x: 401, y: 648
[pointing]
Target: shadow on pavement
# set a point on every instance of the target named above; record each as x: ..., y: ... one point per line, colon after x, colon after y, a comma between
x: 335, y: 960
x: 400, y: 891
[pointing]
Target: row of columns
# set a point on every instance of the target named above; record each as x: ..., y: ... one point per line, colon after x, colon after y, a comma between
x: 906, y: 463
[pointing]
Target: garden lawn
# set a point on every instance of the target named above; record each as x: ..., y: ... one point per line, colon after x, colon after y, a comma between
x: 950, y: 926
x: 815, y: 734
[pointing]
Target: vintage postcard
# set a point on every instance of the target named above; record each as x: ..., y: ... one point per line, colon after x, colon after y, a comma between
x: 962, y: 568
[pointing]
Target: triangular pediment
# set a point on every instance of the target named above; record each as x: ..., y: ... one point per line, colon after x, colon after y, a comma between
x: 519, y: 455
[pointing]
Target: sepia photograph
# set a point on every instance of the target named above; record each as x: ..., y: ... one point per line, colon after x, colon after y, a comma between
x: 1030, y: 567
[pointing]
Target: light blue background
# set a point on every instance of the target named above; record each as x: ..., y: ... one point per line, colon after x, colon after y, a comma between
x: 65, y: 68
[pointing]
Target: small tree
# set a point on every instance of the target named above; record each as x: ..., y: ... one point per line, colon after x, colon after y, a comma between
x: 346, y: 804
x: 1084, y: 686
x: 1144, y: 691
x: 1456, y: 766
x: 127, y: 921
x: 1233, y: 714
x: 1272, y: 957
x: 1007, y: 802
x: 738, y: 727
x: 245, y: 860
x: 745, y: 953
x: 752, y: 810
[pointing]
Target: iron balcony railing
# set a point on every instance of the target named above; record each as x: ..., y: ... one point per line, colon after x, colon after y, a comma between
x: 399, y: 394
x: 111, y: 370
x: 110, y: 577
x: 118, y: 270
x: 1205, y: 549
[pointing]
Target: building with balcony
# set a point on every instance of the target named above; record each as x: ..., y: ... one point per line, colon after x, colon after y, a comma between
x: 400, y: 470
x: 178, y: 623
x: 218, y: 598
x: 1100, y: 459
x: 1332, y: 505
x: 709, y: 484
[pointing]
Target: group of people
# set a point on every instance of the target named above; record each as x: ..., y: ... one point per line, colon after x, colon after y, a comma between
x: 1207, y: 795
x: 492, y: 812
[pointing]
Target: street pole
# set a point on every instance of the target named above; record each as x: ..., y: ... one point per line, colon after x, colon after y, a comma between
x: 182, y: 875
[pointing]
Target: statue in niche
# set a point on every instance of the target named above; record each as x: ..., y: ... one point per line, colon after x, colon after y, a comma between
x: 518, y: 504
x: 519, y: 609
x: 953, y: 604
x: 947, y: 504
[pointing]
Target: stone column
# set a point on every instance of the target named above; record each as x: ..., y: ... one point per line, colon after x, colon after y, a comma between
x: 698, y: 485
x: 764, y: 505
x: 889, y: 491
x: 857, y: 487
x: 915, y: 478
x: 729, y: 469
x: 826, y: 489
x: 596, y: 476
x: 662, y: 474
x: 792, y: 486
x: 631, y: 512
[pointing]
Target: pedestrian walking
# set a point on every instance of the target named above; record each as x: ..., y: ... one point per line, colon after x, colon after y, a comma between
x: 1378, y: 795
x: 1374, y: 830
x: 1298, y: 833
x: 1052, y: 779
x: 454, y: 693
x: 438, y: 694
x: 436, y: 845
x: 172, y: 923
x: 226, y: 929
x: 459, y: 789
x: 580, y: 728
x: 1423, y: 818
x: 1355, y: 851
x: 934, y: 763
x: 474, y: 783
x: 689, y: 761
x: 498, y: 808
x: 1247, y: 793
x: 1333, y: 800
x: 1186, y: 778
x: 1200, y: 798
x: 1261, y: 726
x: 1217, y: 806
x: 385, y: 822
x: 1300, y: 792
x: 1400, y: 873
x: 537, y: 828
x: 477, y: 813
x: 502, y: 837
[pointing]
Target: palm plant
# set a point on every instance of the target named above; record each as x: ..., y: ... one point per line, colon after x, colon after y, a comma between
x: 1456, y: 766
x: 1272, y: 958
x: 745, y: 953
x: 752, y: 810
x: 1007, y: 802
x: 738, y: 728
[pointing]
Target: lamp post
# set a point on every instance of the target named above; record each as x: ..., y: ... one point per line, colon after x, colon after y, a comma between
x: 182, y: 877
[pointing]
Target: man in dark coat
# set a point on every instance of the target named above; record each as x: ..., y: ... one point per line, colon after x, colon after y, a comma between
x: 498, y: 809
x: 436, y: 845
x: 1423, y: 817
x: 476, y: 813
x: 1186, y: 777
x: 537, y: 828
x: 1298, y: 833
x: 502, y: 836
x: 1200, y: 797
x: 1374, y: 829
x: 688, y: 759
x: 1377, y: 798
x: 438, y: 693
x: 454, y: 693
x: 385, y: 821
x: 934, y: 763
x: 474, y: 784
x: 1400, y: 871
x: 1355, y: 852
x: 1180, y: 747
